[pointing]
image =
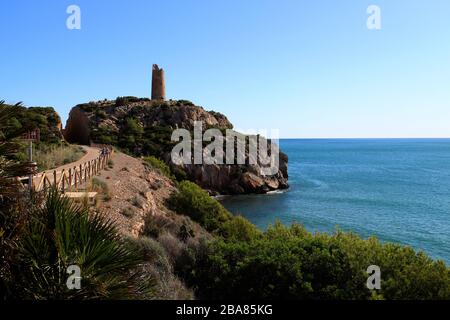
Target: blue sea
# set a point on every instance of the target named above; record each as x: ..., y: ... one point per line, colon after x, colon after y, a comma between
x: 395, y: 189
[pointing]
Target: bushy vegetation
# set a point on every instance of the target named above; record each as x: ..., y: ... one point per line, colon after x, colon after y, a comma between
x: 174, y: 173
x: 159, y: 165
x: 184, y: 103
x: 130, y: 137
x: 193, y: 201
x: 9, y: 147
x: 135, y: 140
x: 50, y: 151
x: 291, y: 263
x: 100, y: 186
x: 12, y: 198
x: 133, y: 135
x: 52, y: 156
x: 63, y: 234
x: 105, y: 135
x: 122, y: 101
x: 157, y: 141
x: 42, y: 235
x: 159, y: 266
x: 43, y: 118
x: 129, y: 212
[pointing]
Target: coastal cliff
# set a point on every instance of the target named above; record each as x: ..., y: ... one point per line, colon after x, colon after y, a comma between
x: 144, y: 127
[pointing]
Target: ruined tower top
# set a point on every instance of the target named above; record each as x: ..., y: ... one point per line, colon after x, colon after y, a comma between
x: 158, y: 83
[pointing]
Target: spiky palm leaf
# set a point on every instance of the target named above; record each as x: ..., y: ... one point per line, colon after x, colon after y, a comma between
x: 62, y: 234
x: 11, y: 198
x: 9, y: 146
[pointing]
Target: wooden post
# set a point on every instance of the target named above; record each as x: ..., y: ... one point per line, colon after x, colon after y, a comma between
x: 30, y: 177
x: 43, y: 177
x: 70, y: 179
x: 54, y: 179
x: 63, y: 182
x: 76, y: 177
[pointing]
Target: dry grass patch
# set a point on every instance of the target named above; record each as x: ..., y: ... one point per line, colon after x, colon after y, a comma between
x: 51, y: 157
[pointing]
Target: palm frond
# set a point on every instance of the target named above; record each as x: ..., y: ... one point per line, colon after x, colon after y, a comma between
x: 9, y: 146
x: 62, y: 234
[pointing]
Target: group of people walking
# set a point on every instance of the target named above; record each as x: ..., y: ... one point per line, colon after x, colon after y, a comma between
x: 105, y: 151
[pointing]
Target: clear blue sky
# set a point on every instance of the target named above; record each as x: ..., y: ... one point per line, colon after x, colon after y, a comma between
x: 309, y: 68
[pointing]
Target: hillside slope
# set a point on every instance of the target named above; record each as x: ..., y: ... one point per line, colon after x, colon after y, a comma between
x: 135, y: 192
x: 46, y: 119
x: 144, y: 127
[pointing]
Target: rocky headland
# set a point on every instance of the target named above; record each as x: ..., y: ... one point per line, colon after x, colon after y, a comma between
x: 143, y: 127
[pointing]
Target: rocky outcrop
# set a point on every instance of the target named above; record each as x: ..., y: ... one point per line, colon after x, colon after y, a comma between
x: 238, y: 179
x: 110, y: 115
x: 150, y: 133
x: 77, y: 128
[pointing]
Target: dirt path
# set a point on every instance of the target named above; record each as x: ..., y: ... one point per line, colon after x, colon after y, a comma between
x: 91, y: 154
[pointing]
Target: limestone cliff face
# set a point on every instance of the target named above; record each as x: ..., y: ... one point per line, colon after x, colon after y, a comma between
x: 77, y: 128
x: 237, y: 179
x: 144, y: 127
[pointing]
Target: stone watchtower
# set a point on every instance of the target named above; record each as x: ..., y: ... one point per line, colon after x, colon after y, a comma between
x: 158, y: 83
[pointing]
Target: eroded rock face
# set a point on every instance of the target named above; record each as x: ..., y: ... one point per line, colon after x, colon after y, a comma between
x: 105, y: 122
x: 77, y: 128
x: 239, y: 179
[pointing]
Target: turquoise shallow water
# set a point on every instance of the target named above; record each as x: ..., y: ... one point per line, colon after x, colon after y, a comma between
x: 395, y: 189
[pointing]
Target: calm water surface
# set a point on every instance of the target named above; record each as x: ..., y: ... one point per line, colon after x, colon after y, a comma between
x: 396, y: 189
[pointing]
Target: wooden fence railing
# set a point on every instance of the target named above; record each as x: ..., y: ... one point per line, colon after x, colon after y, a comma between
x: 72, y: 178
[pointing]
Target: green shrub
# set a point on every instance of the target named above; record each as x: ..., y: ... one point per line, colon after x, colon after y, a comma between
x: 291, y: 263
x: 129, y: 212
x: 130, y: 137
x: 13, y: 201
x: 101, y: 114
x: 185, y: 232
x: 147, y: 248
x: 179, y: 173
x: 159, y: 165
x: 193, y: 201
x: 104, y: 135
x: 101, y: 186
x: 156, y: 184
x: 239, y: 228
x: 121, y: 101
x: 138, y: 201
x: 175, y: 173
x: 157, y: 140
x: 27, y: 119
x: 110, y: 164
x: 184, y: 103
x: 158, y: 224
x: 172, y: 245
x: 166, y: 286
